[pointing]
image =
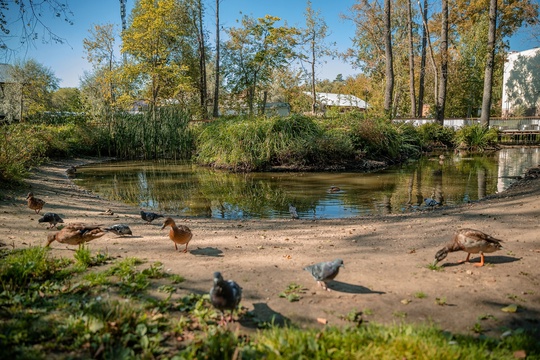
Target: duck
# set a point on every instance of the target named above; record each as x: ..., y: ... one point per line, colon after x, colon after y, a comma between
x: 325, y: 271
x: 292, y: 211
x: 119, y: 229
x: 76, y: 234
x: 34, y: 203
x: 225, y: 295
x: 334, y: 189
x: 51, y: 218
x: 150, y: 216
x: 179, y: 234
x: 72, y: 170
x: 431, y: 203
x: 471, y: 241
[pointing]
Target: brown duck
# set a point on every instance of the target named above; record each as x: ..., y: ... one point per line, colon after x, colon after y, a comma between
x: 34, y: 203
x: 76, y: 234
x: 179, y: 234
x: 471, y: 241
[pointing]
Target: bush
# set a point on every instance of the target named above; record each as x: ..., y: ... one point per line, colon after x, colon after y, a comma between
x: 476, y: 138
x: 436, y: 135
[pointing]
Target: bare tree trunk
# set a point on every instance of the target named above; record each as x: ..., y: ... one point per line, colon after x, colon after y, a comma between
x: 488, y: 76
x: 313, y: 92
x: 124, y: 22
x: 389, y: 58
x: 216, y: 86
x: 412, y: 91
x: 422, y: 62
x: 202, y: 61
x: 441, y: 98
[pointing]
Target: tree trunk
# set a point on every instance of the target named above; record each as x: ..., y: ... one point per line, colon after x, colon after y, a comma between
x: 202, y: 62
x: 441, y: 98
x: 313, y: 92
x: 412, y: 91
x: 216, y: 86
x: 488, y: 77
x: 422, y: 63
x: 389, y: 59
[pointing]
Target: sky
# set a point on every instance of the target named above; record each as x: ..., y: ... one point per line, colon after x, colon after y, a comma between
x: 68, y: 62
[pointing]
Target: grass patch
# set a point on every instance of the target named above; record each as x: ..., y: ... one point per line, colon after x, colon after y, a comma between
x: 293, y: 292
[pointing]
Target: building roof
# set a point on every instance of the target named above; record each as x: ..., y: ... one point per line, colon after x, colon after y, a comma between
x: 331, y: 99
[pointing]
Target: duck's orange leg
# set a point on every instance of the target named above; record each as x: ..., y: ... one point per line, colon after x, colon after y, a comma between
x: 175, y: 247
x: 466, y: 260
x: 481, y: 263
x: 185, y: 250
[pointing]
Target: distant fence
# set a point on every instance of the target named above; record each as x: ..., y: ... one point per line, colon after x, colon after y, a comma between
x: 517, y: 123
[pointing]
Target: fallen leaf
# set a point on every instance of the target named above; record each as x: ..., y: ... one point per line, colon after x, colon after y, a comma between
x: 520, y: 354
x: 322, y: 321
x: 405, y: 301
x: 512, y: 308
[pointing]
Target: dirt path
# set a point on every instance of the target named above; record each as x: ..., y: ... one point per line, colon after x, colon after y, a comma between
x: 386, y: 258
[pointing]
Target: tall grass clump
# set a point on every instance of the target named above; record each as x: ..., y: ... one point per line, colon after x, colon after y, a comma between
x: 249, y: 144
x: 164, y: 133
x: 476, y: 138
x: 435, y: 135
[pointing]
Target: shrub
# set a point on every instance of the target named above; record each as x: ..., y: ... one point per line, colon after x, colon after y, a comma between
x: 476, y: 137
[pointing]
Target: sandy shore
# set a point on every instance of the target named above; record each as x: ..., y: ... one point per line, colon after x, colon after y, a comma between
x: 385, y: 257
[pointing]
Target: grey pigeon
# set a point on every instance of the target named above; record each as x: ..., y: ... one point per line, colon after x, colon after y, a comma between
x: 431, y: 202
x: 325, y: 271
x: 225, y: 295
x: 293, y: 212
x: 51, y: 218
x: 119, y: 229
x: 150, y: 216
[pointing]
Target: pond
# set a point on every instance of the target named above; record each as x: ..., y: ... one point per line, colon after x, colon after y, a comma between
x: 184, y: 189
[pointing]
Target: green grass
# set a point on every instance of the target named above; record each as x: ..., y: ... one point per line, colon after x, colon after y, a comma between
x: 50, y: 308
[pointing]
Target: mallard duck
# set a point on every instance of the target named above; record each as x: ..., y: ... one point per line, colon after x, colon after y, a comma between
x: 179, y: 234
x: 51, y: 218
x: 76, y: 234
x: 34, y: 203
x: 119, y: 229
x: 150, y: 216
x: 471, y: 241
x: 225, y: 295
x: 325, y: 271
x: 292, y: 211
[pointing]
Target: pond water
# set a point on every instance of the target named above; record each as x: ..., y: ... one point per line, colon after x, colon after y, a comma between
x: 184, y: 189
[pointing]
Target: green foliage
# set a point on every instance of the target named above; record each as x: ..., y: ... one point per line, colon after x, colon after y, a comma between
x: 476, y: 137
x: 434, y: 134
x: 293, y: 292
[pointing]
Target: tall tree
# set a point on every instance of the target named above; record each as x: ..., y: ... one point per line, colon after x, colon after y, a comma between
x: 389, y: 88
x: 215, y: 112
x: 314, y: 36
x: 441, y: 96
x: 490, y: 63
x: 253, y: 52
x: 412, y: 90
x: 421, y: 82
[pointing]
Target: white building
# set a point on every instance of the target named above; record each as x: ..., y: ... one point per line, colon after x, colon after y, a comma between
x: 521, y: 83
x: 342, y: 101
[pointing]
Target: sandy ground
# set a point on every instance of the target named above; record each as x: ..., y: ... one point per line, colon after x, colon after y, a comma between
x: 385, y: 257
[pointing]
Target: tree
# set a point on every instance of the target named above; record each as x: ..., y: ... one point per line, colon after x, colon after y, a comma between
x: 253, y: 52
x: 215, y: 112
x: 30, y: 91
x: 490, y: 59
x: 441, y: 96
x: 67, y: 99
x: 412, y: 91
x: 26, y: 19
x: 424, y: 13
x: 389, y: 89
x: 314, y: 35
x: 155, y: 41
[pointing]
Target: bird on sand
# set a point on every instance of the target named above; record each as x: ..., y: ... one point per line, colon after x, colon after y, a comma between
x: 179, y: 234
x: 51, y: 218
x: 76, y: 234
x: 325, y: 271
x: 292, y: 211
x: 34, y: 203
x: 471, y: 241
x: 150, y: 216
x: 225, y: 295
x: 119, y: 229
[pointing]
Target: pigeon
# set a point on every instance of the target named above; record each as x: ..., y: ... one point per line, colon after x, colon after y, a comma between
x: 34, y: 203
x: 471, y: 241
x: 225, y: 295
x: 179, y: 234
x: 323, y: 272
x: 51, y: 218
x: 431, y: 202
x: 119, y: 229
x: 76, y: 234
x: 150, y: 216
x: 293, y: 212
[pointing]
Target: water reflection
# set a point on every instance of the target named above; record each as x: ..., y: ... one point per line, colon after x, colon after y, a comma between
x: 188, y: 190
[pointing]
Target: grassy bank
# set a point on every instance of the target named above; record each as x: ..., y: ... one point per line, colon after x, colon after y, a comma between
x: 92, y: 306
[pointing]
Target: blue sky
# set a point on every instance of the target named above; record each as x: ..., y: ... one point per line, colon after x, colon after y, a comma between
x: 68, y: 63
